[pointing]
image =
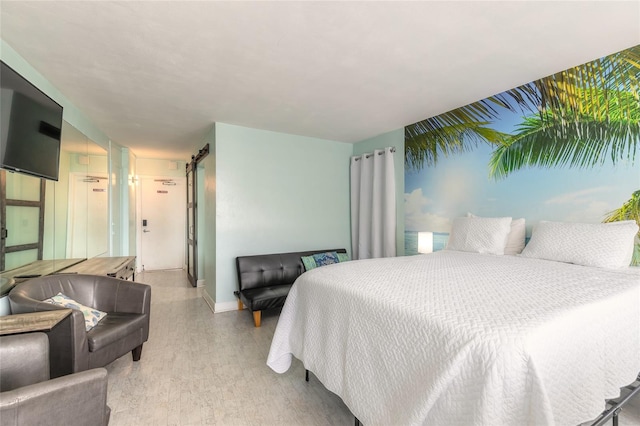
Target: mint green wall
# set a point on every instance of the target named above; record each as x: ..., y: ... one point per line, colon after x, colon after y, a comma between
x: 57, y: 209
x: 393, y: 138
x: 117, y: 184
x: 71, y: 114
x: 271, y: 192
x: 55, y: 218
x: 276, y: 193
x: 207, y: 244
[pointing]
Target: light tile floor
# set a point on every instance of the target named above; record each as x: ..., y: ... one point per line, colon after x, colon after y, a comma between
x: 198, y: 368
x: 203, y: 369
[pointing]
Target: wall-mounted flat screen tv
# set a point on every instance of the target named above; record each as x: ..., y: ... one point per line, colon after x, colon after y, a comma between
x: 30, y: 127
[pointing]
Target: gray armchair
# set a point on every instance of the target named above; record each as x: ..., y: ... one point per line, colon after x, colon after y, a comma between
x: 28, y: 397
x: 73, y: 349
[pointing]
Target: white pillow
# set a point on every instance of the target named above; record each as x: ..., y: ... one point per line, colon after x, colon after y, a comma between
x: 516, y: 238
x: 479, y: 234
x: 604, y: 245
x: 91, y: 316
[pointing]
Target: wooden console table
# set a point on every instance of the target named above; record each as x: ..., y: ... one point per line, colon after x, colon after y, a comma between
x: 118, y: 267
x: 123, y: 267
x: 32, y: 270
x: 32, y: 321
x: 39, y: 268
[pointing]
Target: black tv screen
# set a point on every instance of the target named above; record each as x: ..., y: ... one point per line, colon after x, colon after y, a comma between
x: 30, y: 127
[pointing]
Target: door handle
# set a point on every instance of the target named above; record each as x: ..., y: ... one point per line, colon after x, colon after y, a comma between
x: 145, y: 230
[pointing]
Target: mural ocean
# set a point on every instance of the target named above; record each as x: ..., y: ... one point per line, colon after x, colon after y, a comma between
x: 562, y: 148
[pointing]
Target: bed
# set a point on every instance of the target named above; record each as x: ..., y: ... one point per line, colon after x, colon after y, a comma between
x: 462, y: 338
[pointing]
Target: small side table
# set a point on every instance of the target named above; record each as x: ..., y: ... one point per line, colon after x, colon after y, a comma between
x: 32, y: 321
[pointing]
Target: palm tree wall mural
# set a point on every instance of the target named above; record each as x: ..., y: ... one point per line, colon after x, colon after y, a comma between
x: 570, y: 136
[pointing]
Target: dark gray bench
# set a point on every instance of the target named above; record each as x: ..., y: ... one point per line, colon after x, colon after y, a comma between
x: 264, y: 280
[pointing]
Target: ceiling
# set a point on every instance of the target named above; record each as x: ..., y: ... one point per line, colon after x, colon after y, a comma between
x: 154, y: 76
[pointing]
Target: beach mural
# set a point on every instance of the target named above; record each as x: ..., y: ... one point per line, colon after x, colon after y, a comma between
x: 562, y: 148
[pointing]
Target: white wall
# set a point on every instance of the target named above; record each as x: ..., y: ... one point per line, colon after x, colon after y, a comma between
x: 275, y: 193
x: 155, y: 167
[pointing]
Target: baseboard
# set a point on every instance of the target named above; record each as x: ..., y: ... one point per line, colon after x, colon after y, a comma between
x: 200, y: 283
x: 209, y: 300
x: 226, y: 306
x: 216, y: 308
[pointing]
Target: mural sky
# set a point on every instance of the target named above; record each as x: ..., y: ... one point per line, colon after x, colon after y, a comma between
x: 565, y: 149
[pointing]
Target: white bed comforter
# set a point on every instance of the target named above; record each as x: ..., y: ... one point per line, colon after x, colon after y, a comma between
x: 458, y: 338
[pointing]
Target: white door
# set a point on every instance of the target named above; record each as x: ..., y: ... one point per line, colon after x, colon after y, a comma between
x: 88, y: 222
x: 162, y: 223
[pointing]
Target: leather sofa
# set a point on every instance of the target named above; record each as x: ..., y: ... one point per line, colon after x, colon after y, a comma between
x: 72, y: 348
x: 28, y: 397
x: 264, y: 280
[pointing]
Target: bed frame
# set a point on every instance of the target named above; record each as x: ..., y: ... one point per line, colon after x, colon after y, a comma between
x: 614, y: 406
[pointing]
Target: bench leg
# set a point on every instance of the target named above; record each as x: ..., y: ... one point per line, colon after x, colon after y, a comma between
x: 257, y: 317
x: 240, y: 305
x: 136, y: 353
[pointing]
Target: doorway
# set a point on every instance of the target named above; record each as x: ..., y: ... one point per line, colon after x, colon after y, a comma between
x: 161, y: 231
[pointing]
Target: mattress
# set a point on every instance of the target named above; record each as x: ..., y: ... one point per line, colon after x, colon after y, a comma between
x: 455, y: 338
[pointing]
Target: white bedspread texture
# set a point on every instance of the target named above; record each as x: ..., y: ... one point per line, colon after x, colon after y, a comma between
x: 456, y: 338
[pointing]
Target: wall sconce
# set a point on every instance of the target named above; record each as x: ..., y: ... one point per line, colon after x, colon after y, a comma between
x: 133, y: 180
x: 425, y: 242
